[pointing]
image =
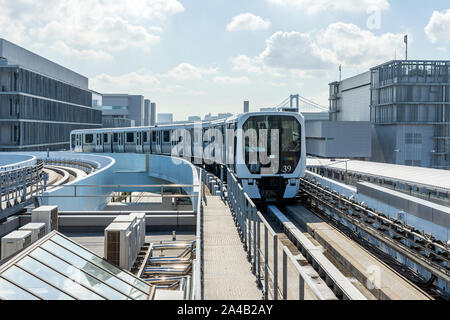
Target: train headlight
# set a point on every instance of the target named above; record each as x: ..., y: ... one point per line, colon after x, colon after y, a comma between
x: 251, y: 182
x: 292, y: 182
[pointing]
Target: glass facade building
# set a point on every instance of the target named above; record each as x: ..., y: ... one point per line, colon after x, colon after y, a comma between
x: 39, y: 107
x: 410, y: 110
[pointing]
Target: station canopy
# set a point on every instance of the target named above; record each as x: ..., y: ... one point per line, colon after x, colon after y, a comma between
x: 57, y: 268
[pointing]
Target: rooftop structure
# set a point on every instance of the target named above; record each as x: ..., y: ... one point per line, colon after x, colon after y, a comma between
x: 410, y: 107
x: 57, y: 268
x: 408, y: 104
x: 41, y: 102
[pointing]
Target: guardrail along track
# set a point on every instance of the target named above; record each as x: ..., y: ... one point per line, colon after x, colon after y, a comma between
x: 334, y: 279
x: 18, y: 187
x: 425, y: 251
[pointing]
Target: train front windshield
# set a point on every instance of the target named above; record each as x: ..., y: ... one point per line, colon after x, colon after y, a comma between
x: 285, y: 131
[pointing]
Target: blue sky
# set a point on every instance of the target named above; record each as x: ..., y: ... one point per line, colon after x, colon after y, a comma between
x: 197, y: 56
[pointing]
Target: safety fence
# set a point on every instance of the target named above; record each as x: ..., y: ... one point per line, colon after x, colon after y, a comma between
x: 278, y: 273
x: 198, y: 263
x: 18, y: 187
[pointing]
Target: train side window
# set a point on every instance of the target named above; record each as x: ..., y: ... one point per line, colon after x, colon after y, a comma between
x: 115, y: 137
x: 73, y: 141
x: 105, y: 138
x: 166, y: 136
x: 145, y: 137
x: 130, y: 137
x: 89, y: 138
x: 154, y: 136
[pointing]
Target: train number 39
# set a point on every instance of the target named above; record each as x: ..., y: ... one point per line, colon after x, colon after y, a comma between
x: 286, y: 169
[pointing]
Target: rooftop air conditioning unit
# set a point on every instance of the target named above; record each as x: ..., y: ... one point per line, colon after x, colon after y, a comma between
x: 141, y: 220
x: 37, y: 229
x: 14, y: 242
x: 47, y: 215
x: 118, y: 245
x: 135, y: 247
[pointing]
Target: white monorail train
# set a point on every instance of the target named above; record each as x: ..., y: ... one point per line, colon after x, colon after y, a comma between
x: 252, y: 163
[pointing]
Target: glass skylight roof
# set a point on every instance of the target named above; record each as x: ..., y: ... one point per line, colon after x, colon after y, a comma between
x: 56, y: 268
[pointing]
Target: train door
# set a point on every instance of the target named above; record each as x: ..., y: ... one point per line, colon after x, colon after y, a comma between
x: 165, y: 148
x: 154, y: 141
x: 75, y: 143
x: 121, y: 142
x: 80, y: 142
x: 146, y: 141
x: 139, y: 147
x: 115, y: 142
x: 107, y: 142
x: 98, y: 142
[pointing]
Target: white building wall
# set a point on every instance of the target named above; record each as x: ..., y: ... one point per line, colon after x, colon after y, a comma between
x: 338, y: 139
x: 354, y: 104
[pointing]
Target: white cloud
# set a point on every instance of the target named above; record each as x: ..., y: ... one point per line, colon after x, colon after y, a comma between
x: 316, y: 6
x: 311, y: 54
x: 225, y: 80
x: 247, y: 64
x: 82, y: 25
x: 278, y: 84
x: 88, y: 55
x: 112, y: 34
x: 186, y: 71
x: 294, y: 50
x: 139, y: 82
x: 248, y: 21
x: 196, y: 93
x: 353, y: 46
x: 438, y: 28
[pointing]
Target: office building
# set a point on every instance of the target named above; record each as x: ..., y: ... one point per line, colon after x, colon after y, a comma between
x: 408, y: 105
x: 147, y: 110
x: 41, y: 102
x: 129, y: 107
x: 152, y: 114
x: 410, y: 108
x: 116, y: 117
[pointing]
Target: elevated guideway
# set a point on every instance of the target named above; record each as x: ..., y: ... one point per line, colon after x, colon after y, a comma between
x: 384, y: 283
x: 380, y: 228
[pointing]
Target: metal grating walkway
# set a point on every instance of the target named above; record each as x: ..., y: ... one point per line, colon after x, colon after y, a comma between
x: 227, y: 272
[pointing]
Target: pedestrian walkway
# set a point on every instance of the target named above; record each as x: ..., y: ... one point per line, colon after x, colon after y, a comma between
x: 227, y: 272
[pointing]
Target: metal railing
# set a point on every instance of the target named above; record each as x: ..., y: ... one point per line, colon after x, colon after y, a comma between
x: 118, y: 194
x: 198, y: 263
x: 18, y: 187
x: 263, y: 250
x: 18, y: 165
